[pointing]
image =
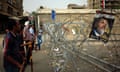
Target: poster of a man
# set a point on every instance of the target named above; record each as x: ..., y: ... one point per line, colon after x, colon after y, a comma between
x: 101, y: 27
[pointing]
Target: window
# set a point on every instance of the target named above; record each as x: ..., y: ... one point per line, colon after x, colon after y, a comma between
x: 10, y: 10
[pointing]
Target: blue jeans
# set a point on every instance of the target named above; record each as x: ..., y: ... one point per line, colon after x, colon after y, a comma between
x: 39, y: 40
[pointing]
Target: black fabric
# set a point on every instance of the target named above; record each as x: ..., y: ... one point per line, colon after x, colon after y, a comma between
x: 12, y: 50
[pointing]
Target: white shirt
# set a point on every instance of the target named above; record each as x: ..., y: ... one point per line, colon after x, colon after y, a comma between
x: 31, y: 30
x: 26, y: 34
x: 40, y: 32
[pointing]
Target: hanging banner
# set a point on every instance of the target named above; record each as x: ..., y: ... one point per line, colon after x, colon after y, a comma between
x: 103, y: 4
x: 102, y: 26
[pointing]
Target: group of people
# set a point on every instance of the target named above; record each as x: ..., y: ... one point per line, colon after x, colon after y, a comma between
x: 19, y: 42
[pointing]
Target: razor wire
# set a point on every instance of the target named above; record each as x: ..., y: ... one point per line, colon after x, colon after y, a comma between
x: 59, y: 41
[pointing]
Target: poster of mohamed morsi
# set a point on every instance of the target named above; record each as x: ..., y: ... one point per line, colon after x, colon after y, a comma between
x: 101, y: 27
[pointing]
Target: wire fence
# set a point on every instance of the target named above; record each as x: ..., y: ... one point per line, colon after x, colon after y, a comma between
x: 74, y: 36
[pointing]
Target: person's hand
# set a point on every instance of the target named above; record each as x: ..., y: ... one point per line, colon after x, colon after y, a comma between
x: 30, y: 46
x: 29, y: 42
x: 21, y: 67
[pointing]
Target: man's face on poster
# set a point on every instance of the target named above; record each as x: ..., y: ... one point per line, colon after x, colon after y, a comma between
x: 102, y: 24
x: 101, y: 28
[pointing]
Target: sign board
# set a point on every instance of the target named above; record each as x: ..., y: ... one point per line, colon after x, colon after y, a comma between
x: 53, y: 14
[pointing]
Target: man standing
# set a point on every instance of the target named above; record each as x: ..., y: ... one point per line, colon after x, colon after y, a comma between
x: 40, y: 32
x: 27, y: 38
x: 32, y: 33
x: 12, y: 57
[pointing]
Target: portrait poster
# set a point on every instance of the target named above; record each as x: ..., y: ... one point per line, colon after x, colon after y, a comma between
x: 101, y: 27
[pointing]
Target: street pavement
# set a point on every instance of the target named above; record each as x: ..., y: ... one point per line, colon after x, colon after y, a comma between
x: 41, y: 61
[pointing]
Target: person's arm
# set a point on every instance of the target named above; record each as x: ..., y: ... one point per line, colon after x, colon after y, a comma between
x: 26, y: 44
x: 24, y: 33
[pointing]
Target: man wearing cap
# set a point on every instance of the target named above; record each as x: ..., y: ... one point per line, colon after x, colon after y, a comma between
x: 27, y: 38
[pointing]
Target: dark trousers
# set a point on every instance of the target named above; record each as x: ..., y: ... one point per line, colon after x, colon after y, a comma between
x: 10, y: 68
x: 28, y: 53
x: 39, y: 41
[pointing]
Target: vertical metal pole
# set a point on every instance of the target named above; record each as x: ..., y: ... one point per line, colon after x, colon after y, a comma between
x: 36, y: 24
x: 38, y: 21
x: 111, y: 6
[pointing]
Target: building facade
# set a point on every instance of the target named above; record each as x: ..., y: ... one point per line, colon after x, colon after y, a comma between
x: 108, y: 4
x: 72, y: 17
x: 114, y: 4
x: 93, y: 4
x: 9, y: 8
x: 75, y: 6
